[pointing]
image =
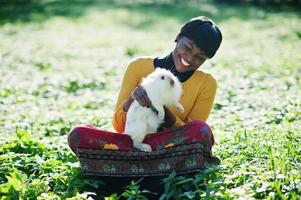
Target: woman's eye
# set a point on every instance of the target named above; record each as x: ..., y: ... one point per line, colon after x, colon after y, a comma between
x: 187, y: 48
x: 162, y: 77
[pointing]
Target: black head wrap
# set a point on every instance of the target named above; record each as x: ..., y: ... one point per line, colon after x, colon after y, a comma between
x: 204, y: 33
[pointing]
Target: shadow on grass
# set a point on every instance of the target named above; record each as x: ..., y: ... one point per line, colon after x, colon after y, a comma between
x: 38, y: 11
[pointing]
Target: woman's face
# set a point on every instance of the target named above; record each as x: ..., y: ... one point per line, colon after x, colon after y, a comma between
x: 187, y: 56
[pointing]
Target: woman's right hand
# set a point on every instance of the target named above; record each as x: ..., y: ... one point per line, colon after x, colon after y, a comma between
x: 140, y: 95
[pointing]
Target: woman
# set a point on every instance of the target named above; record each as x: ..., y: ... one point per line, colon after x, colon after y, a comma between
x: 198, y: 40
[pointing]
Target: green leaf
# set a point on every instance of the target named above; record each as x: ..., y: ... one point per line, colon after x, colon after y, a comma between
x: 23, y: 135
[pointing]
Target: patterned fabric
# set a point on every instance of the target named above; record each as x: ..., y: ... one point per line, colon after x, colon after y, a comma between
x: 182, y: 159
x: 102, y: 153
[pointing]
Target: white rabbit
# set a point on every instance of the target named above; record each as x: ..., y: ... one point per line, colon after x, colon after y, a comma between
x: 163, y: 89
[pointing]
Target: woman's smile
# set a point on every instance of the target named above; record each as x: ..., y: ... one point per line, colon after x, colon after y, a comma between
x: 184, y: 62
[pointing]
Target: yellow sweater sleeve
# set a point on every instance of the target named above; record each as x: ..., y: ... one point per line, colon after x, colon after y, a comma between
x: 179, y: 122
x: 129, y: 83
x: 204, y: 102
x: 202, y: 106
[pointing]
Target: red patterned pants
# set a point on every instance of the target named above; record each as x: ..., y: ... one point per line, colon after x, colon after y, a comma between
x: 86, y: 136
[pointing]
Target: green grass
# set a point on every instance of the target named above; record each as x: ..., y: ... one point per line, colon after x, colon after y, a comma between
x: 61, y: 64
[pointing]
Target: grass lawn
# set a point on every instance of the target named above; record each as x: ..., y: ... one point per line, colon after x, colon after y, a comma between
x: 61, y: 64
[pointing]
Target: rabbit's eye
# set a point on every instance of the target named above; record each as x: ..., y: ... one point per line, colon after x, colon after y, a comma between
x: 162, y: 77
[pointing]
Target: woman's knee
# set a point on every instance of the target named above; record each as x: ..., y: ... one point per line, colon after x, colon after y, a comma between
x: 202, y: 126
x: 75, y: 134
x: 201, y: 131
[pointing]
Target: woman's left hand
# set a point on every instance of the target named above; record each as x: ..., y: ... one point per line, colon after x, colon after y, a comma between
x: 169, y: 119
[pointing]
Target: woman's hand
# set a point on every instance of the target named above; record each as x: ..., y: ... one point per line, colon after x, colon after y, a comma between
x: 140, y: 95
x: 169, y: 119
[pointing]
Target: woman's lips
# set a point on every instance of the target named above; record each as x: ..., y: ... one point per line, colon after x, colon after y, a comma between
x: 186, y: 64
x: 182, y: 64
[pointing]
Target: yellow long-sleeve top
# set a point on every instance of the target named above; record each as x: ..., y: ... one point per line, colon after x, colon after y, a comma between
x: 198, y: 94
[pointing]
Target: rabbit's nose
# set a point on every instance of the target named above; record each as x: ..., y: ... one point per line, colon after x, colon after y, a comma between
x: 172, y: 82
